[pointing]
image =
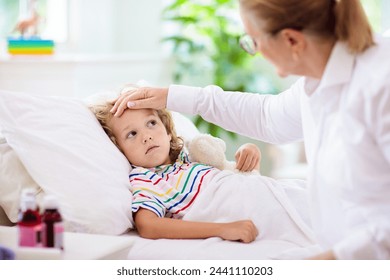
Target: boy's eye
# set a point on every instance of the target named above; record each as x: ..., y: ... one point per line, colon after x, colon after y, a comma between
x: 131, y: 134
x: 151, y: 123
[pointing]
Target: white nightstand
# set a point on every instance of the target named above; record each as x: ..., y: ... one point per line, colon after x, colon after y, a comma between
x: 77, y: 246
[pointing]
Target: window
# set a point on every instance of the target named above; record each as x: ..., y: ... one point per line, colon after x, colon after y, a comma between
x: 51, y: 22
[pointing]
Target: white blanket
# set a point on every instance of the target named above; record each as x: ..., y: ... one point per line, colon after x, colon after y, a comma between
x: 235, y: 196
x: 277, y: 207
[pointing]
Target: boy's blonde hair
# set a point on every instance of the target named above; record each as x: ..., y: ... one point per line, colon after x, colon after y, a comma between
x: 103, y: 115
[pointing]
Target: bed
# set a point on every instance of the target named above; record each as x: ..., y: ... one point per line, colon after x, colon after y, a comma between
x: 56, y: 146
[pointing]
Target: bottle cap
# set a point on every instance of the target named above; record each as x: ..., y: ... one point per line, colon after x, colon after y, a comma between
x: 50, y: 202
x: 27, y: 199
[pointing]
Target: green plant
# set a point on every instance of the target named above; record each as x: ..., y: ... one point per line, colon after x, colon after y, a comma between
x: 206, y: 48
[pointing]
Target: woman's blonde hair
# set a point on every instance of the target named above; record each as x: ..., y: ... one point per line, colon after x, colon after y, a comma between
x: 343, y: 20
x: 103, y: 115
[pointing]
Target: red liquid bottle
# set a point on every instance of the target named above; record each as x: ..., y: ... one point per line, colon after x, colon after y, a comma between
x: 29, y: 224
x: 52, y: 226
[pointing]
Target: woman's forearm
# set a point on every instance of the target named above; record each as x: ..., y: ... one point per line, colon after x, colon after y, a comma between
x: 270, y: 118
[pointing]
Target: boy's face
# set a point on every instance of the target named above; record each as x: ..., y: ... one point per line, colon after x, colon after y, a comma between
x: 142, y: 137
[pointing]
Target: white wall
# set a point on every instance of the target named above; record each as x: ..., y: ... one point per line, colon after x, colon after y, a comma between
x: 112, y: 26
x: 80, y: 76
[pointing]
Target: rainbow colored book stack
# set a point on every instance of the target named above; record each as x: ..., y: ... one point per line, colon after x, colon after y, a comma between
x: 30, y: 46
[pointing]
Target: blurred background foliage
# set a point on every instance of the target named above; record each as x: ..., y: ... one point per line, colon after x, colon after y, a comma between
x: 206, y: 48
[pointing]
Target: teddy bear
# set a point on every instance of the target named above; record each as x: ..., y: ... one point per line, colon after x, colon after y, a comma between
x: 210, y: 150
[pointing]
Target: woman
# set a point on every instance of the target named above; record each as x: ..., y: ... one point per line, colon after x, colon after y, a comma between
x: 340, y: 108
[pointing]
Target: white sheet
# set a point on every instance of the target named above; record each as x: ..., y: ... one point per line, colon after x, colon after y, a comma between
x: 277, y: 207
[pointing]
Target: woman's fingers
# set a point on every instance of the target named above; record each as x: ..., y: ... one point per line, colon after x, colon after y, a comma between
x: 121, y: 103
x: 153, y: 98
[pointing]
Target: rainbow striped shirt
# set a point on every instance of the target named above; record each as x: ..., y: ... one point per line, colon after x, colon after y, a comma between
x: 169, y: 190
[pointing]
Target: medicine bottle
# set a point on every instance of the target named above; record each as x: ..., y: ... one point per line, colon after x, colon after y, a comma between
x: 52, y: 225
x: 29, y: 222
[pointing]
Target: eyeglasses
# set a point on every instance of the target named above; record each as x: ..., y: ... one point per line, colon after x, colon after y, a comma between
x: 248, y: 44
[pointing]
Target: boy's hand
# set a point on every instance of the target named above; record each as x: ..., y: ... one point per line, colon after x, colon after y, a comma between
x: 248, y: 157
x: 244, y: 231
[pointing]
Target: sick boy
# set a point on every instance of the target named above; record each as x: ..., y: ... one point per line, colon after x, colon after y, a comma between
x: 164, y: 183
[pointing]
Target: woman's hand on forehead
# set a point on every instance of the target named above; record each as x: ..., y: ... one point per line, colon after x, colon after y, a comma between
x: 140, y: 98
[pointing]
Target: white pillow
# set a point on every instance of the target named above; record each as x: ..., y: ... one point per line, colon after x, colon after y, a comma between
x: 185, y: 128
x: 67, y: 153
x: 13, y: 178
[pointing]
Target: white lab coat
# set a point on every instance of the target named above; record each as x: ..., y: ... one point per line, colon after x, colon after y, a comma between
x: 344, y: 120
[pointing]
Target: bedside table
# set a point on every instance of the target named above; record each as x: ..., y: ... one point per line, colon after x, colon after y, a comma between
x: 77, y: 246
